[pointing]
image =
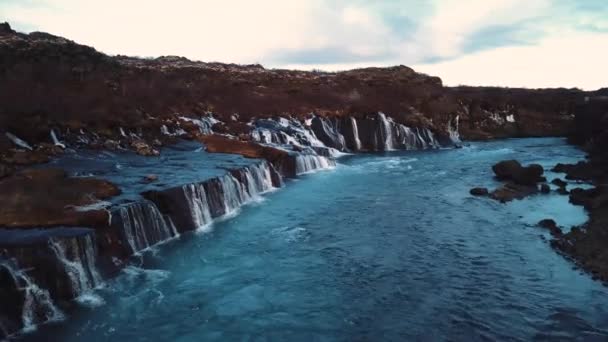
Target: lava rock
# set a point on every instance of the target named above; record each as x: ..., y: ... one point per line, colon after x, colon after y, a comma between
x: 514, y: 171
x: 506, y: 169
x: 511, y: 191
x: 551, y: 225
x: 479, y: 192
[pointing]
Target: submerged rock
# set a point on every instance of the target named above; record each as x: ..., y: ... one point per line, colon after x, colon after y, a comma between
x: 512, y: 191
x: 545, y: 188
x: 479, y: 192
x: 551, y: 225
x: 560, y: 183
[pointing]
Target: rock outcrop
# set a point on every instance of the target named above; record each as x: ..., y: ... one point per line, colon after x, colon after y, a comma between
x: 48, y: 197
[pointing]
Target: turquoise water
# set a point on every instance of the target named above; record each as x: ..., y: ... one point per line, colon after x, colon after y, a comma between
x: 384, y: 247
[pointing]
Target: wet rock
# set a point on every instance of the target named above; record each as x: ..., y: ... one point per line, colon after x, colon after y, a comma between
x: 512, y: 191
x: 514, y: 171
x: 506, y: 169
x: 562, y: 190
x: 584, y: 171
x: 479, y: 192
x: 590, y: 198
x: 551, y: 225
x: 55, y: 198
x: 545, y: 188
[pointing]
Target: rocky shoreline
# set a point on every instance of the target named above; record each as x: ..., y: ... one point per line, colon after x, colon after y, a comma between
x: 62, y: 232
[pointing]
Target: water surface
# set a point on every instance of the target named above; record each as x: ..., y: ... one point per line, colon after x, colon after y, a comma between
x: 384, y: 247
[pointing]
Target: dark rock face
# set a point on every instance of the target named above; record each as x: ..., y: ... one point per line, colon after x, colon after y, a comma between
x: 479, y: 192
x: 328, y: 133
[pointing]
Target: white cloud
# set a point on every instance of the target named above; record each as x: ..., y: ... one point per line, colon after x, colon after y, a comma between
x: 568, y: 60
x: 455, y: 20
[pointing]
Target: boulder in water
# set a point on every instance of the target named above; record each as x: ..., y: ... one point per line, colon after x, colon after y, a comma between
x: 544, y: 188
x: 514, y: 171
x: 506, y: 169
x: 511, y: 191
x: 560, y: 183
x: 479, y: 192
x: 551, y: 225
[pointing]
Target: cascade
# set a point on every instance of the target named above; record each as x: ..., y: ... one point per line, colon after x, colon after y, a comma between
x: 78, y: 257
x: 453, y: 129
x: 143, y: 225
x: 234, y: 194
x: 38, y: 307
x: 56, y: 141
x: 386, y: 132
x: 17, y: 141
x: 306, y: 163
x: 198, y: 206
x: 355, y: 133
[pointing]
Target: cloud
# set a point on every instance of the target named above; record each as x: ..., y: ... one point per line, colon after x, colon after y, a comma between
x: 570, y: 60
x: 339, y: 34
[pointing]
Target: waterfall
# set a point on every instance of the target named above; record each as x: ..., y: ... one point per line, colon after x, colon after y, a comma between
x: 453, y: 129
x: 56, y: 141
x: 355, y: 133
x: 306, y: 163
x: 258, y: 179
x: 17, y: 141
x: 234, y: 194
x: 386, y: 132
x: 38, y: 307
x: 143, y: 225
x: 78, y: 257
x: 38, y: 300
x: 197, y: 204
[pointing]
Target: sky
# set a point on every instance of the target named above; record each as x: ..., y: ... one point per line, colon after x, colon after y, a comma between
x: 514, y: 43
